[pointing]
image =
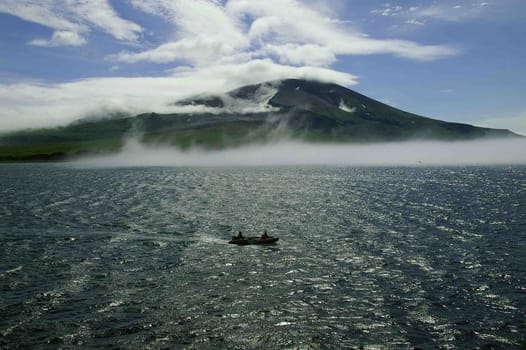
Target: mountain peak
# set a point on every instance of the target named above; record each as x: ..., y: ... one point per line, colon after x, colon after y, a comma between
x: 337, y: 112
x: 307, y: 110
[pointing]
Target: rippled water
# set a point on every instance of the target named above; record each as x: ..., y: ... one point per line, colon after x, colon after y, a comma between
x: 368, y: 257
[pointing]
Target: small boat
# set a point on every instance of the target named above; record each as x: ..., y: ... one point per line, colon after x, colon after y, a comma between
x: 253, y: 240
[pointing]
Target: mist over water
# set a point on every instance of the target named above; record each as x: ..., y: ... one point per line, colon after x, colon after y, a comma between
x: 283, y: 153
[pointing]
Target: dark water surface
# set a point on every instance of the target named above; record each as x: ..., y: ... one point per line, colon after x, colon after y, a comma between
x: 383, y: 258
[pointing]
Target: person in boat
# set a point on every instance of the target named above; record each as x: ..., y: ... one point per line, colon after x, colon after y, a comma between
x: 239, y: 235
x: 264, y: 235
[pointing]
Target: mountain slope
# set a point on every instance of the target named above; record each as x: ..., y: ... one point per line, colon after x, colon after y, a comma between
x: 351, y: 114
x: 305, y: 110
x: 333, y: 112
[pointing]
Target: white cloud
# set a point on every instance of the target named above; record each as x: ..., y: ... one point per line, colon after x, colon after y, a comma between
x: 388, y: 10
x: 290, y: 22
x: 209, y: 31
x: 290, y: 31
x: 446, y: 10
x: 415, y: 22
x: 264, y: 25
x: 32, y: 105
x: 46, y: 13
x: 101, y: 15
x: 61, y: 38
x: 199, y: 51
x: 196, y: 17
x: 204, y: 33
x: 298, y: 54
x: 70, y: 19
x: 234, y: 75
x: 400, y: 48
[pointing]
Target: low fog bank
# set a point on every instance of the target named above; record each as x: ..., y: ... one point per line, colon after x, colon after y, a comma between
x: 287, y: 153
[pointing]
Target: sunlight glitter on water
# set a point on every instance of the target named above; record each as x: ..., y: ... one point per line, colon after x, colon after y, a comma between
x: 379, y: 257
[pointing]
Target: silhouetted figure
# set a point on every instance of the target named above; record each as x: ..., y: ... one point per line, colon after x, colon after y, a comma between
x: 264, y: 235
x: 239, y: 235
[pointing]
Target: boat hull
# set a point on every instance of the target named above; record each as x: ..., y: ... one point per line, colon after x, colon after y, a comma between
x: 253, y: 240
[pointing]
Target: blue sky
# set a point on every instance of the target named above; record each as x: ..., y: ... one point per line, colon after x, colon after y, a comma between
x: 454, y: 60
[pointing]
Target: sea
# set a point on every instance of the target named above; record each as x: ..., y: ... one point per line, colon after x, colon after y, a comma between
x: 367, y: 258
